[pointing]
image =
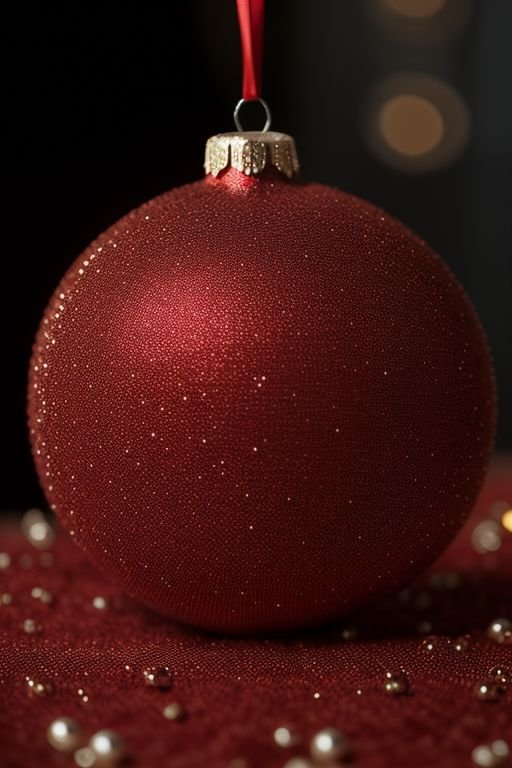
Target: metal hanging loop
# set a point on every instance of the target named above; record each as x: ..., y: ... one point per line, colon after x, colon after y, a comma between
x: 236, y: 114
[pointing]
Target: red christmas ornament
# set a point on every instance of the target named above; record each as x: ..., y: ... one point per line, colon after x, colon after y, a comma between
x: 259, y: 404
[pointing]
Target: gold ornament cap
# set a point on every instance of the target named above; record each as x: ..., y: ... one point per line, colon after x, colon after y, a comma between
x: 250, y: 152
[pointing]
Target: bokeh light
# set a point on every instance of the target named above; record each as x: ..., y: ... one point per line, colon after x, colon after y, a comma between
x: 416, y: 9
x: 416, y: 123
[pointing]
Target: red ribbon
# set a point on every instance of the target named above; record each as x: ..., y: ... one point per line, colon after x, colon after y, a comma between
x: 250, y: 19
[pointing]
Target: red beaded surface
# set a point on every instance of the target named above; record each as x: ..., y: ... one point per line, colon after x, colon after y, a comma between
x: 258, y: 405
x: 236, y: 692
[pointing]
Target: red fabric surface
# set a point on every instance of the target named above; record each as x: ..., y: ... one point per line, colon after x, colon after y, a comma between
x: 236, y: 692
x: 258, y: 405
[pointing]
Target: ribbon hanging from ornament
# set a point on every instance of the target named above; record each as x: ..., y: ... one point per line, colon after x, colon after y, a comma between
x: 250, y: 19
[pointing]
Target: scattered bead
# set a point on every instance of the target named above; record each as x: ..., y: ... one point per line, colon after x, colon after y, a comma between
x: 31, y: 627
x: 85, y: 757
x: 83, y: 695
x: 6, y: 598
x: 37, y: 688
x: 404, y: 596
x: 42, y: 594
x: 462, y: 643
x: 489, y: 691
x: 316, y: 695
x: 99, y: 603
x: 5, y: 560
x: 350, y: 633
x: 46, y: 559
x: 285, y: 737
x: 37, y: 529
x: 491, y: 755
x: 327, y: 745
x: 173, y: 711
x: 500, y: 630
x: 422, y: 601
x: 451, y: 580
x: 448, y: 580
x: 25, y: 561
x: 486, y: 537
x: 430, y: 644
x: 396, y: 684
x: 500, y: 675
x: 109, y: 748
x: 158, y: 677
x: 64, y: 734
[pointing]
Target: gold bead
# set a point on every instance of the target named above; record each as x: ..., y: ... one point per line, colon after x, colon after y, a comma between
x: 64, y: 734
x: 31, y: 627
x: 173, y: 711
x: 85, y: 757
x: 462, y: 643
x: 285, y: 737
x: 500, y: 675
x: 37, y: 688
x: 158, y: 677
x: 109, y: 748
x: 489, y: 691
x: 491, y: 755
x: 500, y: 630
x: 37, y: 529
x: 327, y: 745
x: 396, y: 684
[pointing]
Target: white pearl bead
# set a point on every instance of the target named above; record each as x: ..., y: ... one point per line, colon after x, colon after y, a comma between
x: 500, y: 630
x: 64, y: 734
x: 491, y: 755
x: 108, y: 746
x: 85, y: 757
x: 284, y: 737
x: 298, y: 762
x: 327, y: 745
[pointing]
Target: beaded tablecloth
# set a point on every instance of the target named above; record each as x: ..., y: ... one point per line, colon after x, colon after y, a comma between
x: 420, y: 681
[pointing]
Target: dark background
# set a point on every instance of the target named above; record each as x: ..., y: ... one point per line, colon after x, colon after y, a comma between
x: 106, y: 107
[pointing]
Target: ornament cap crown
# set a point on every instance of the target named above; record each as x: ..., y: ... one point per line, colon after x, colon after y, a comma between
x: 250, y: 152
